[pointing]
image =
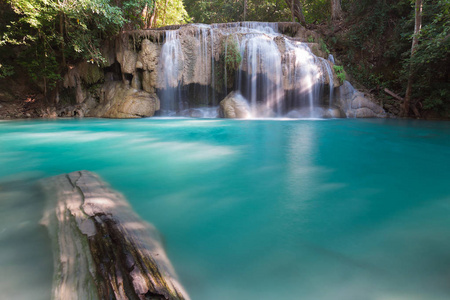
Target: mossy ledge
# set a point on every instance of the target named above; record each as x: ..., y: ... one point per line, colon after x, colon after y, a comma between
x: 101, y: 248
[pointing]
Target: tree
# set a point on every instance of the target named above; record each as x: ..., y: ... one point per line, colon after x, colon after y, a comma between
x: 336, y: 10
x: 245, y: 9
x: 222, y: 11
x: 166, y: 13
x: 296, y: 10
x: 415, y: 42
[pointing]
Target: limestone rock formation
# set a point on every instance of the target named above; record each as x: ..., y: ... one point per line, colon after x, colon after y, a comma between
x: 356, y: 105
x: 280, y: 68
x: 200, y: 49
x: 119, y: 100
x: 234, y: 106
x: 127, y: 59
x: 148, y: 56
x: 149, y: 80
x: 101, y: 248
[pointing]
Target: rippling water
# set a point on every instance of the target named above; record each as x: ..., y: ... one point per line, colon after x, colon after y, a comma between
x: 268, y: 209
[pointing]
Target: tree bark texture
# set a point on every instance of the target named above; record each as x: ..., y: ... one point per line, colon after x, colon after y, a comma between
x: 415, y: 42
x: 245, y: 9
x: 296, y: 10
x: 336, y: 10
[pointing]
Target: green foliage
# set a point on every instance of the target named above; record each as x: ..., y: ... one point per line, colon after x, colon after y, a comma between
x: 222, y: 11
x: 174, y: 13
x: 378, y: 48
x: 229, y: 61
x: 58, y: 33
x: 430, y: 63
x: 323, y: 46
x: 132, y: 12
x: 55, y: 30
x: 42, y: 66
x: 233, y: 56
x: 316, y: 10
x: 6, y: 70
x: 340, y: 73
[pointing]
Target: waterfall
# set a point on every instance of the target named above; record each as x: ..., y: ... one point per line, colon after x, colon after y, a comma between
x: 303, y: 77
x: 213, y: 78
x: 277, y: 75
x: 330, y: 81
x: 204, y: 61
x: 261, y: 67
x: 331, y: 58
x: 170, y: 71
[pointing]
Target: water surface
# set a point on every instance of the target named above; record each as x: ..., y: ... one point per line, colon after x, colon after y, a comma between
x: 261, y: 209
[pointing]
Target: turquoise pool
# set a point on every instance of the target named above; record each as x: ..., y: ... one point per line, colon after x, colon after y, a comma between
x: 253, y: 209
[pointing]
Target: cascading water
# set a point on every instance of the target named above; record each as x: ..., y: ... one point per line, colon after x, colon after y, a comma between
x: 204, y: 60
x: 330, y: 81
x: 303, y: 76
x: 171, y: 56
x: 277, y: 75
x: 331, y: 58
x: 261, y: 72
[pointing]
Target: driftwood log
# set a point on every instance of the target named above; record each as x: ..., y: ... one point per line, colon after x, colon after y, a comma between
x: 101, y: 248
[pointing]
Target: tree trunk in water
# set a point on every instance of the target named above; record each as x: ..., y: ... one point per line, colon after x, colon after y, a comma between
x: 336, y: 10
x: 415, y: 42
x: 297, y: 11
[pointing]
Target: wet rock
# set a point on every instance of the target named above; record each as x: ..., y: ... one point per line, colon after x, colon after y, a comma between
x: 333, y: 113
x: 234, y: 106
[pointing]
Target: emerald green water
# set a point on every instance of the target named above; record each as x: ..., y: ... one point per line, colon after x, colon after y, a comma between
x: 267, y: 209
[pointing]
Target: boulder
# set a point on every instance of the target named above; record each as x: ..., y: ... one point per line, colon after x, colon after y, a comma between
x: 118, y: 100
x: 234, y: 106
x: 356, y: 104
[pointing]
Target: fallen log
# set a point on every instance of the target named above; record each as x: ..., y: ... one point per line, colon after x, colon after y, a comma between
x: 393, y: 94
x: 101, y: 248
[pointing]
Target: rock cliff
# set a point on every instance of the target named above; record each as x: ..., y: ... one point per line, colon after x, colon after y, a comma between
x: 279, y: 66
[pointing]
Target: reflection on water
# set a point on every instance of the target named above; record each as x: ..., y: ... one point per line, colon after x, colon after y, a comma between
x: 267, y: 209
x: 25, y: 257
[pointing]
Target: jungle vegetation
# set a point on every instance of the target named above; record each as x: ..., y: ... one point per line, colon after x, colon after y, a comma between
x: 372, y: 39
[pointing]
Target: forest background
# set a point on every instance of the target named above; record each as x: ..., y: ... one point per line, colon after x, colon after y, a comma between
x: 379, y: 43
